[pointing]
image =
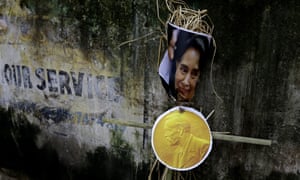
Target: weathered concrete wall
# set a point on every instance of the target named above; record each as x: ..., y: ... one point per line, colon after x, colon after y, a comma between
x: 63, y: 73
x: 256, y: 74
x: 62, y: 66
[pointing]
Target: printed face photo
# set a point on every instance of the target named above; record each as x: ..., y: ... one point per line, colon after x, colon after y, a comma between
x: 181, y: 140
x: 187, y: 74
x: 181, y: 66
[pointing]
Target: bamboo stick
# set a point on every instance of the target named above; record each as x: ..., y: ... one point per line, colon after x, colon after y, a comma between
x: 241, y: 139
x: 128, y: 123
x: 216, y: 135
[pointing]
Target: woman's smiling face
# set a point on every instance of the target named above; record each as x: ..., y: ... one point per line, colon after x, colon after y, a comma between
x: 187, y: 74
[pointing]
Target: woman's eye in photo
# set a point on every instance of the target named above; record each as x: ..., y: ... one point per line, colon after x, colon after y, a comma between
x: 195, y: 73
x: 183, y: 69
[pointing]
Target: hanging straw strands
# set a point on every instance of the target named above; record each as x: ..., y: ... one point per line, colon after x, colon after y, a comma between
x: 191, y: 20
x: 194, y: 20
x: 172, y: 5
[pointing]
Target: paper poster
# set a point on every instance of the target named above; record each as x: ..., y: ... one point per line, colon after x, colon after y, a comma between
x: 181, y: 138
x: 181, y: 65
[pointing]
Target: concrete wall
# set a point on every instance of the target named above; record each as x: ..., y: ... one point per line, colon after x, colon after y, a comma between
x: 62, y: 67
x: 66, y: 69
x: 255, y: 73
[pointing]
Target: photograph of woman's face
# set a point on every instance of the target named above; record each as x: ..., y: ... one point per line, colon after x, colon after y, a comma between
x: 185, y: 57
x: 187, y: 74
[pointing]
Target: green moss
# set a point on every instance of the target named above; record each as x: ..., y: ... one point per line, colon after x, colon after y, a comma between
x: 97, y: 19
x: 120, y: 148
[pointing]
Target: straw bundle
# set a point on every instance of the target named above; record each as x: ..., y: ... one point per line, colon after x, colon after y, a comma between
x: 183, y: 16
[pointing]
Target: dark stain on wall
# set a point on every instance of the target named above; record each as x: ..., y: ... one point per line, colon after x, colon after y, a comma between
x: 281, y: 176
x: 19, y: 152
x: 255, y: 72
x: 24, y: 159
x: 116, y: 163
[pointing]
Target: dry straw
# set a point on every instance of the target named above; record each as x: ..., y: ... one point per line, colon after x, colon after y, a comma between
x: 194, y: 20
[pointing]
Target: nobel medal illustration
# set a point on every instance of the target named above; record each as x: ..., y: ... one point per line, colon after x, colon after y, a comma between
x: 181, y: 138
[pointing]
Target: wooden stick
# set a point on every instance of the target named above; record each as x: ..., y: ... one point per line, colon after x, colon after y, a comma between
x: 241, y: 139
x: 128, y: 123
x: 216, y: 135
x: 216, y: 132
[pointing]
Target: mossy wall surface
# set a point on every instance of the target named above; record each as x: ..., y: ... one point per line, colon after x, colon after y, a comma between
x: 66, y: 67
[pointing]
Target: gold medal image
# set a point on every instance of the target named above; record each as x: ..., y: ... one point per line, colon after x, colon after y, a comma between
x: 181, y: 138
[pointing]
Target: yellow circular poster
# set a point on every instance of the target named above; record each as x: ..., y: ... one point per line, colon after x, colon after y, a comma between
x: 181, y: 138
